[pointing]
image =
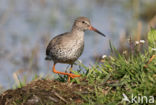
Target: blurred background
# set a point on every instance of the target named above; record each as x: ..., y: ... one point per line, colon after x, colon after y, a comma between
x: 27, y: 26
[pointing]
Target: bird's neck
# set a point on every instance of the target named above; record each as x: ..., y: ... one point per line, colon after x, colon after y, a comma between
x: 78, y: 33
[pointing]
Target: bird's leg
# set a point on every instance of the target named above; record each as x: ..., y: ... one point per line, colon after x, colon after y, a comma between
x: 72, y: 75
x: 70, y: 72
x: 58, y: 72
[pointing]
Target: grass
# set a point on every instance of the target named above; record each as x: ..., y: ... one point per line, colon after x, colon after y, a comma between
x: 101, y: 84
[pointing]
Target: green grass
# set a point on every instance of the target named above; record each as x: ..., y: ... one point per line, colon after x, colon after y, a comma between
x: 105, y: 83
x: 120, y: 74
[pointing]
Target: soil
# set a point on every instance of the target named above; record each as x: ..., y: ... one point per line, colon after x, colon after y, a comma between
x: 46, y: 92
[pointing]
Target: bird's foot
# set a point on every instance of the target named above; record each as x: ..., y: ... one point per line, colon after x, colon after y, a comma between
x: 73, y: 75
x: 70, y: 75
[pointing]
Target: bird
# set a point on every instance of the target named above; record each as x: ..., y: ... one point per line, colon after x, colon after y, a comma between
x: 66, y: 48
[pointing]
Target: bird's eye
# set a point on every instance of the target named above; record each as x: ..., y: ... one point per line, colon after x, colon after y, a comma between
x: 83, y: 21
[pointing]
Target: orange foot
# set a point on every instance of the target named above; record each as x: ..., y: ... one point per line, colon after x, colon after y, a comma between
x: 70, y: 75
x: 73, y: 75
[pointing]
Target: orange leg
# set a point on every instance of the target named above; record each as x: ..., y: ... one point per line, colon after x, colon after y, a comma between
x: 58, y: 72
x: 70, y: 75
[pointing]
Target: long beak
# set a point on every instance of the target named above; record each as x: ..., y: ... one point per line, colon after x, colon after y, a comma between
x: 94, y: 29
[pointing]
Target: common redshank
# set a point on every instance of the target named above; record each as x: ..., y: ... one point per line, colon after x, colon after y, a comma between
x: 68, y: 47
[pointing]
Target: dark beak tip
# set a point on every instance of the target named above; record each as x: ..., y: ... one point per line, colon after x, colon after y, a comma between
x: 104, y: 35
x: 94, y: 29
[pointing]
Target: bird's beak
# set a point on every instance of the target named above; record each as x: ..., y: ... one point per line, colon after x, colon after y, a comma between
x: 94, y: 29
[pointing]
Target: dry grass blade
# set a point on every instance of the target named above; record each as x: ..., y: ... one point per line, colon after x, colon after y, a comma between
x: 61, y: 98
x: 150, y: 60
x: 53, y: 99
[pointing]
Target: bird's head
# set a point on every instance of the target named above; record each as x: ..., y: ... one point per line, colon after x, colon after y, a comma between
x: 83, y: 24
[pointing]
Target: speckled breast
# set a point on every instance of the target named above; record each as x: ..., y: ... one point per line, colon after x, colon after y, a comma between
x: 69, y: 53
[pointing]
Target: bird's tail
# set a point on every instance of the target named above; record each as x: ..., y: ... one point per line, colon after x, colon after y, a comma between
x: 48, y: 58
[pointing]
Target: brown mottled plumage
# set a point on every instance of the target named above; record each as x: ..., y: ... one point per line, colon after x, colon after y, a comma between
x: 68, y: 47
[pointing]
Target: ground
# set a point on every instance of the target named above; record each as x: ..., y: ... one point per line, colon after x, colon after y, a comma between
x: 41, y: 92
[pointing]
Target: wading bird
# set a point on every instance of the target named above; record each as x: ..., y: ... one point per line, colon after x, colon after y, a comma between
x: 68, y: 47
